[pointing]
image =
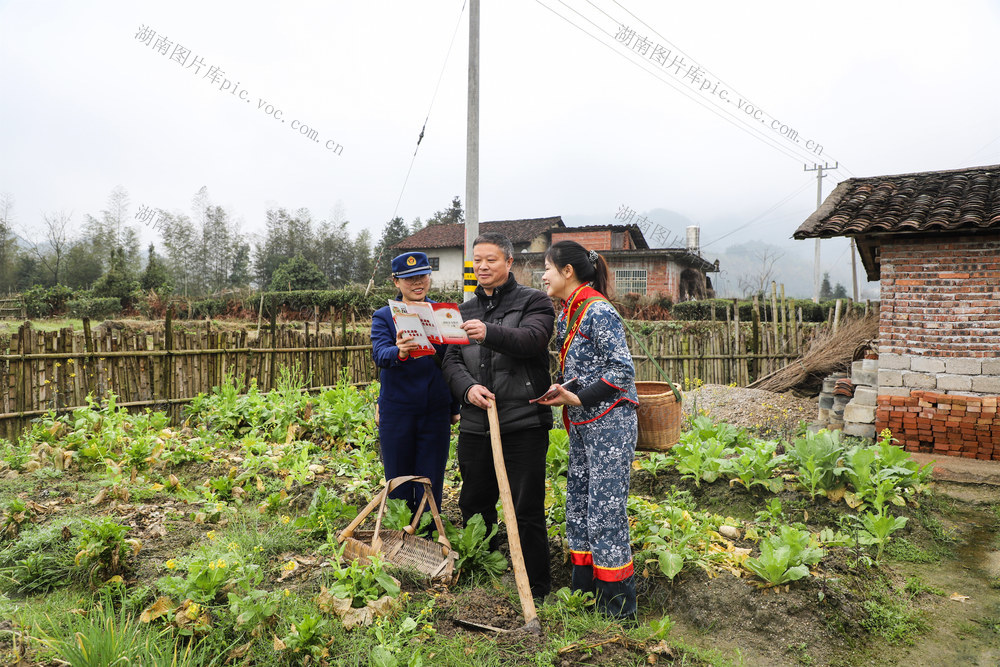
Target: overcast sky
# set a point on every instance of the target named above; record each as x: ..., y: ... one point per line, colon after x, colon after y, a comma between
x: 572, y: 124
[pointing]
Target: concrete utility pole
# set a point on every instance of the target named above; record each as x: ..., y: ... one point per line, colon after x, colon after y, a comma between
x: 819, y: 200
x: 854, y: 268
x: 472, y: 150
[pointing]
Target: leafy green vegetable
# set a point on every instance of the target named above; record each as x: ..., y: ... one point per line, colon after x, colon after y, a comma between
x: 362, y: 584
x: 472, y: 545
x: 786, y: 556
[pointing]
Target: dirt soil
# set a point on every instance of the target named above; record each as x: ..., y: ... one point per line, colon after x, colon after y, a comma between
x: 821, y: 620
x: 827, y: 619
x: 764, y: 413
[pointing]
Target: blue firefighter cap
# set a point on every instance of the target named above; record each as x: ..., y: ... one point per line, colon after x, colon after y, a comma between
x: 410, y: 264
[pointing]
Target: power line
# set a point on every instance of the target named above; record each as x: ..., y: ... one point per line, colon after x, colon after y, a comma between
x: 676, y: 48
x: 766, y: 140
x: 978, y: 151
x: 420, y: 138
x: 667, y: 41
x: 760, y: 215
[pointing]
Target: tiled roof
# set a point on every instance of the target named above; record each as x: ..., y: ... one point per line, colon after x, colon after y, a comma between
x: 678, y: 256
x: 453, y: 236
x: 930, y: 201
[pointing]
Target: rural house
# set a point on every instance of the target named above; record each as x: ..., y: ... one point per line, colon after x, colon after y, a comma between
x: 445, y: 244
x: 679, y: 273
x: 933, y: 240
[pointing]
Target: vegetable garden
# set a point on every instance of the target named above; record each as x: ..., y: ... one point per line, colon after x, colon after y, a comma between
x: 123, y: 538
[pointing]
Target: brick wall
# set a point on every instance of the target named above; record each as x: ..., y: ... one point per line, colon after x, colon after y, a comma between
x: 941, y: 296
x: 591, y: 240
x: 942, y: 424
x: 661, y: 276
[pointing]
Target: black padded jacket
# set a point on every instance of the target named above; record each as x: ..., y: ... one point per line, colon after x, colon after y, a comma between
x: 512, y: 361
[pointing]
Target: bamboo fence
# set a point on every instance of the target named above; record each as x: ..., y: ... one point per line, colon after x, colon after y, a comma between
x: 726, y: 351
x: 164, y: 369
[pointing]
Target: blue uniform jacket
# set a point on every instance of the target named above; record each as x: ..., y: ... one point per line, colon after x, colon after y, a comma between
x: 414, y: 385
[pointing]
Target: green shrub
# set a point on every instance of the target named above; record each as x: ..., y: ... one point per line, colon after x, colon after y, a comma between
x: 349, y: 299
x: 213, y: 307
x: 46, y: 301
x: 94, y: 308
x: 811, y: 312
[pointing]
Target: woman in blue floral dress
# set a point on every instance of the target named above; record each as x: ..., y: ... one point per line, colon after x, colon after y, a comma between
x: 601, y: 421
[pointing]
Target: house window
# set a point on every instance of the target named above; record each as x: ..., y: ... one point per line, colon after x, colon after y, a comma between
x: 630, y: 281
x: 435, y: 263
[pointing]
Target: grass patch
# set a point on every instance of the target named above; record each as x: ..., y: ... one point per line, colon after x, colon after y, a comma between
x: 914, y: 586
x: 942, y: 537
x: 990, y: 624
x: 904, y: 551
x: 800, y: 653
x: 893, y: 618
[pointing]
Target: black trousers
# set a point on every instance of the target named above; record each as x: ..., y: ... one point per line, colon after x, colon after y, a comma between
x: 524, y: 457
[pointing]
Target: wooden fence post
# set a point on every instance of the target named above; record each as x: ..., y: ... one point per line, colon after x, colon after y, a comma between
x: 343, y: 342
x: 755, y: 339
x: 274, y: 344
x: 168, y: 360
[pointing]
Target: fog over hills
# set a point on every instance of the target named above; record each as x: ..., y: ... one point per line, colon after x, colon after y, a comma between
x: 746, y: 247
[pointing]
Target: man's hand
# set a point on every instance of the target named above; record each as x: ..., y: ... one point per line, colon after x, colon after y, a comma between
x: 456, y: 418
x: 479, y: 396
x: 476, y: 330
x: 405, y: 344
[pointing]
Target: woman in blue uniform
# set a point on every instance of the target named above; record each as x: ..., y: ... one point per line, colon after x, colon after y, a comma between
x: 601, y: 420
x: 415, y: 405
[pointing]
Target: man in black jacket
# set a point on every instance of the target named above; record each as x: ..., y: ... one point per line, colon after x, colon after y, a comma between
x: 510, y: 326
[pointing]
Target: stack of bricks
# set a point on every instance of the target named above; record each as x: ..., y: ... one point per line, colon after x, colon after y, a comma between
x: 943, y: 424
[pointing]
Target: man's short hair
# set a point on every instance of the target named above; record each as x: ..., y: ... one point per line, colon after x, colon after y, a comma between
x: 499, y: 240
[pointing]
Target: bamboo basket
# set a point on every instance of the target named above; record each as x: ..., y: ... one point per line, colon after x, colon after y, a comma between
x: 402, y: 548
x: 659, y: 416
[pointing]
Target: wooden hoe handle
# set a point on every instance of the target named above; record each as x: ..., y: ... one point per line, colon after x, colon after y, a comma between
x: 513, y: 537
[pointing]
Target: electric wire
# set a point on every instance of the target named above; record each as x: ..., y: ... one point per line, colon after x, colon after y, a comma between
x: 670, y: 43
x: 743, y: 124
x: 979, y: 150
x: 437, y: 86
x: 767, y: 141
x: 760, y: 215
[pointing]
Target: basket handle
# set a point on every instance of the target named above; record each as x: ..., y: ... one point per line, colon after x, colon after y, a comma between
x: 380, y: 501
x: 425, y: 501
x: 352, y: 526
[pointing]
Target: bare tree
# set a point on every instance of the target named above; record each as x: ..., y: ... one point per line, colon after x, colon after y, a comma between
x: 7, y: 241
x: 115, y: 216
x: 57, y: 243
x: 756, y: 280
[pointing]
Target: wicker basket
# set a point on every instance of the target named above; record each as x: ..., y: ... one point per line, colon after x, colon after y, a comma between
x: 402, y: 548
x: 659, y: 416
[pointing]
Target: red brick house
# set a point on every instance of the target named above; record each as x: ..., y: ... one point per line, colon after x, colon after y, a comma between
x: 445, y: 244
x: 679, y: 273
x: 933, y: 241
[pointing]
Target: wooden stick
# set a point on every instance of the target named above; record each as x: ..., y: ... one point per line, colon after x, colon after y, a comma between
x: 510, y: 518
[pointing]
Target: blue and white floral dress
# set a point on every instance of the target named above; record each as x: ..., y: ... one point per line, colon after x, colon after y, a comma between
x: 602, y: 434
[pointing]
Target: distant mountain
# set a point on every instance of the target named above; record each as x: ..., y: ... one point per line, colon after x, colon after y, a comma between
x: 744, y: 261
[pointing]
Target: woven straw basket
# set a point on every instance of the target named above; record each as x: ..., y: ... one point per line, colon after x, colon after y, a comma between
x: 659, y: 416
x: 402, y: 548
